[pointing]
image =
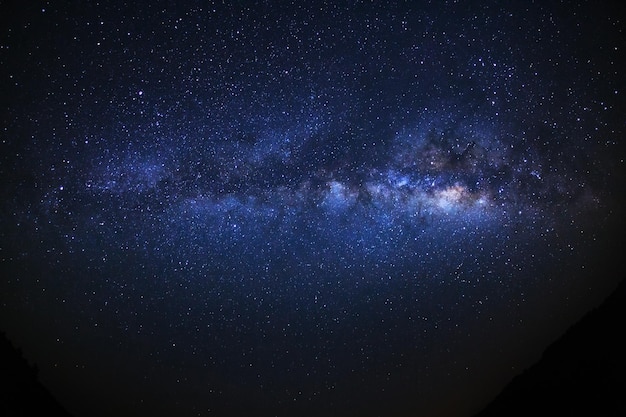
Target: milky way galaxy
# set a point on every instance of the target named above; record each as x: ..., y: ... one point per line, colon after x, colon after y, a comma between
x: 304, y: 208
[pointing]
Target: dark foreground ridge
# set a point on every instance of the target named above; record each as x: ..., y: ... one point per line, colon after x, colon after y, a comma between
x: 21, y: 393
x: 582, y: 373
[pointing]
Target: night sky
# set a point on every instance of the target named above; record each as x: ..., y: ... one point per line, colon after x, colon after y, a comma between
x: 307, y: 208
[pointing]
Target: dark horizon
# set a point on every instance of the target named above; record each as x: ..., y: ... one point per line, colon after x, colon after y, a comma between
x: 582, y: 371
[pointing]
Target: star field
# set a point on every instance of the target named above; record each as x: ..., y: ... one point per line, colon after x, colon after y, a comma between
x: 303, y: 209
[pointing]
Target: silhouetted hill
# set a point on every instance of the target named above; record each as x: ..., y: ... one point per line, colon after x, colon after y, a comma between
x: 21, y: 394
x: 582, y: 373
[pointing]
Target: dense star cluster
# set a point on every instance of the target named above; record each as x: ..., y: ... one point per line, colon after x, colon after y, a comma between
x: 305, y: 208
